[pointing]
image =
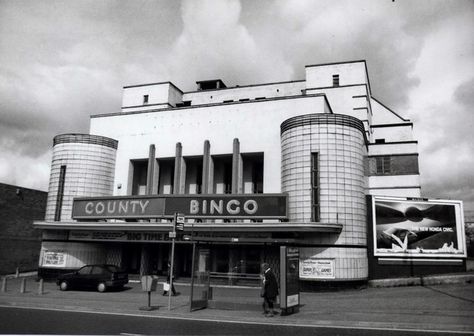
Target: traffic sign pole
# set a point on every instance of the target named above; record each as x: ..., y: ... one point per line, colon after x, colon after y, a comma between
x: 178, y: 224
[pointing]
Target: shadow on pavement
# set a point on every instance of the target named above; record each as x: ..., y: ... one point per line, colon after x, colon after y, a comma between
x: 448, y: 294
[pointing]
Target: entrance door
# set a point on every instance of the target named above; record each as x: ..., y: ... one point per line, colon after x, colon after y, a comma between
x: 200, y: 280
x: 131, y: 257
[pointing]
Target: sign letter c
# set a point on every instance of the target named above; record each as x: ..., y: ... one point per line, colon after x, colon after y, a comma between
x: 89, y: 208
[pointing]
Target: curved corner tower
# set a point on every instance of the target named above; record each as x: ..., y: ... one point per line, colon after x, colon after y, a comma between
x: 82, y: 165
x: 323, y: 174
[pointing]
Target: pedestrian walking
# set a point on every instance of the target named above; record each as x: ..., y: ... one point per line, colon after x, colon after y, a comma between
x: 166, y: 285
x: 269, y: 290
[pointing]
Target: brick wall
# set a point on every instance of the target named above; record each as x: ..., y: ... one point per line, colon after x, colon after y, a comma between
x: 20, y: 243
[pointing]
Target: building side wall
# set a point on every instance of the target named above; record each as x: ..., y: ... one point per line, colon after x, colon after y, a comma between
x: 19, y: 241
x: 157, y: 94
x: 349, y: 74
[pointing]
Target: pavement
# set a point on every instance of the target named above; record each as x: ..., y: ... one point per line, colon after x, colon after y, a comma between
x: 435, y: 303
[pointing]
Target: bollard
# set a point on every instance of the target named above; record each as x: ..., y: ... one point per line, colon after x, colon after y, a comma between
x: 40, y: 287
x: 4, y: 284
x: 23, y: 285
x: 17, y: 272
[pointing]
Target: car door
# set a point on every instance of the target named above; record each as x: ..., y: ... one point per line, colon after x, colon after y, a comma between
x: 82, y: 277
x: 98, y: 274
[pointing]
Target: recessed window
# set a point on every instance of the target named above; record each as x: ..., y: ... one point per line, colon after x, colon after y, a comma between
x: 383, y: 164
x: 393, y: 165
x: 145, y: 99
x: 60, y: 195
x: 315, y: 187
x: 335, y: 80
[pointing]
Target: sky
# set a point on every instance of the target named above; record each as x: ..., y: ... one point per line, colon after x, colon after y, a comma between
x: 62, y: 61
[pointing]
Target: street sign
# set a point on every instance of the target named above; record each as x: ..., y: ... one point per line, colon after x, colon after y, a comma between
x: 179, y: 222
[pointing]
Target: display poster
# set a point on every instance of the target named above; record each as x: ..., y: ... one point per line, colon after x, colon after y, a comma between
x: 289, y: 277
x: 118, y: 236
x: 317, y: 269
x: 419, y: 228
x: 54, y: 259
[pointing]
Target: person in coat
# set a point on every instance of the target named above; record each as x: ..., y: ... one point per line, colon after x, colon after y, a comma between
x: 269, y: 290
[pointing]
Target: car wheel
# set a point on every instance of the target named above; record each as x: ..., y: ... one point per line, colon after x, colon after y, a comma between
x: 101, y: 287
x: 64, y: 286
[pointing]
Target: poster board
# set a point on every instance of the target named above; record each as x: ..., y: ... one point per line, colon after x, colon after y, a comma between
x: 418, y: 228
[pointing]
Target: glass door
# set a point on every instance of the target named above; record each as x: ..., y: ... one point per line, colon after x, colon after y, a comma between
x: 200, y: 281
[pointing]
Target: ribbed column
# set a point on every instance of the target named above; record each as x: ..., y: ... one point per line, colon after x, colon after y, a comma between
x: 236, y: 168
x: 179, y: 170
x: 150, y: 170
x: 206, y: 165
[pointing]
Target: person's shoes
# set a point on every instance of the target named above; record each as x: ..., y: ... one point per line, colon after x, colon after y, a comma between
x: 269, y: 315
x: 164, y: 293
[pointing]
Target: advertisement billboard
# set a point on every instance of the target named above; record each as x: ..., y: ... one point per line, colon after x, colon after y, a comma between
x: 289, y: 278
x: 311, y: 269
x: 418, y: 227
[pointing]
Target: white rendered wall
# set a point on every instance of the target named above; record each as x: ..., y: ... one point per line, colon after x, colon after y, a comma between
x: 256, y: 125
x: 163, y: 94
x: 347, y: 100
x: 318, y: 76
x: 382, y: 115
x: 393, y: 149
x: 393, y: 134
x: 399, y: 185
x: 245, y: 92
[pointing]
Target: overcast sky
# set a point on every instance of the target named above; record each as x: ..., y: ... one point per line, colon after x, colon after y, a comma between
x: 61, y: 61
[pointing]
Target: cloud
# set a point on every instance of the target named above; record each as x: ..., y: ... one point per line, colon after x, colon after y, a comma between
x: 441, y: 107
x: 61, y: 61
x: 215, y: 44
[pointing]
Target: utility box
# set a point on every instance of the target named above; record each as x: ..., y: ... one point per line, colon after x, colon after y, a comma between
x: 149, y: 283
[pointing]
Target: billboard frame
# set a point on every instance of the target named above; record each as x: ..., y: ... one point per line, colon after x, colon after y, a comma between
x: 459, y: 225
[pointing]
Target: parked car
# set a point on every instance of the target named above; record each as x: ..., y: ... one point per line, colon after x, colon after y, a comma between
x: 100, y: 277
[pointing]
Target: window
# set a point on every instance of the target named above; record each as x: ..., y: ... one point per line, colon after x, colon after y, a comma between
x: 315, y: 187
x: 85, y: 270
x: 335, y: 80
x: 145, y: 99
x: 59, y: 198
x: 379, y: 141
x: 140, y: 170
x: 99, y: 270
x: 398, y: 164
x: 383, y: 164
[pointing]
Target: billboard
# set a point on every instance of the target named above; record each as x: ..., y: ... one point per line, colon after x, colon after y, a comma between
x: 418, y: 228
x: 312, y: 268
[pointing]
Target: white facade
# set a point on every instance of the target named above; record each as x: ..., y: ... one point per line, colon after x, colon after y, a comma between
x: 253, y: 114
x: 324, y: 141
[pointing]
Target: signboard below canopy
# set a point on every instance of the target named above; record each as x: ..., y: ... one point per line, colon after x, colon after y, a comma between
x: 235, y: 206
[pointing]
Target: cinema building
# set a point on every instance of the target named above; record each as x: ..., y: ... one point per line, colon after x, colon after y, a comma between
x: 318, y: 164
